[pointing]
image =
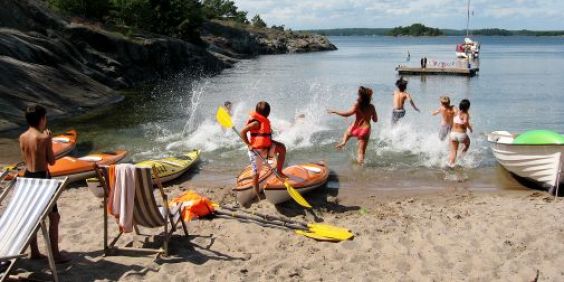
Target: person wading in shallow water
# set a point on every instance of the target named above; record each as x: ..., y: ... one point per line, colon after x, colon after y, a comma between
x: 400, y: 96
x: 364, y: 112
x: 460, y: 125
x: 37, y: 152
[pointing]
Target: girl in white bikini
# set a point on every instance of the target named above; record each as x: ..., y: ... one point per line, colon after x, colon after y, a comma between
x: 460, y: 124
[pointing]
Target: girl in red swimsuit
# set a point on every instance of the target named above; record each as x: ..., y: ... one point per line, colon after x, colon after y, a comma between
x: 364, y: 112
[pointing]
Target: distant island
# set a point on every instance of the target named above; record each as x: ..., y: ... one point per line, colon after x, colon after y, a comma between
x: 416, y: 29
x: 422, y: 30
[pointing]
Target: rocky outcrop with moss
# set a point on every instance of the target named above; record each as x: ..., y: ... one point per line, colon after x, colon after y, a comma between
x: 239, y: 40
x: 72, y: 67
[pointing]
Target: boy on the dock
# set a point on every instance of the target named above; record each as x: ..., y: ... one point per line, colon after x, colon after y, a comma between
x: 400, y: 96
x: 260, y: 142
x: 37, y: 152
x: 447, y: 113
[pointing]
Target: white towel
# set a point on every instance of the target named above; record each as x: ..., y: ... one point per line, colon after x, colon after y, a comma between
x: 124, y: 196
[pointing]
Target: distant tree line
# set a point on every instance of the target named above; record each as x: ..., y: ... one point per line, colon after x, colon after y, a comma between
x: 177, y: 18
x: 416, y: 29
x: 448, y: 32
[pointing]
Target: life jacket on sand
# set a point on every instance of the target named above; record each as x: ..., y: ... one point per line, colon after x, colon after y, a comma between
x: 261, y: 138
x: 193, y: 205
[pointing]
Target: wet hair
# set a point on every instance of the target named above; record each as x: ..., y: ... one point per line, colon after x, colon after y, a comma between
x: 34, y: 114
x: 263, y: 108
x: 445, y: 101
x: 401, y: 84
x: 364, y: 97
x: 464, y: 105
x: 227, y: 104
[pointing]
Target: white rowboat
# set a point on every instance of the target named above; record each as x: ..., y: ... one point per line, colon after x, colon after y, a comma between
x: 541, y: 163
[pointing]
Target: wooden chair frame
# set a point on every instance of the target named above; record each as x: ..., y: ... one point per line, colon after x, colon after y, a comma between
x: 111, y: 248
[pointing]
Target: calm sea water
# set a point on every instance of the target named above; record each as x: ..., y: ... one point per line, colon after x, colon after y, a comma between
x: 519, y: 87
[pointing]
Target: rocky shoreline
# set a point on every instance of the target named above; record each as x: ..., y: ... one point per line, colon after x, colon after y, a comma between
x: 72, y: 67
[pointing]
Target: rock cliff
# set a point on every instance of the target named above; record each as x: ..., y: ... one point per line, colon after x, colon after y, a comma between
x: 72, y: 67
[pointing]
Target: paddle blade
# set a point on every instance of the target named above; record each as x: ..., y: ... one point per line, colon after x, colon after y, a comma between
x: 315, y: 236
x: 296, y: 195
x: 223, y: 117
x: 330, y: 231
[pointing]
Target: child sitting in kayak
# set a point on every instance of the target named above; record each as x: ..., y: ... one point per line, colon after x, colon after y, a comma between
x: 447, y: 112
x: 260, y: 142
x: 364, y: 112
x: 460, y: 124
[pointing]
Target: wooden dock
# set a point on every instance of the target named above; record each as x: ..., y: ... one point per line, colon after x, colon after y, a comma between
x: 403, y: 70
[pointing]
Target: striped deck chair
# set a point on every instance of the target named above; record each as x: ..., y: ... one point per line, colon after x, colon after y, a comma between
x: 26, y: 212
x: 146, y: 212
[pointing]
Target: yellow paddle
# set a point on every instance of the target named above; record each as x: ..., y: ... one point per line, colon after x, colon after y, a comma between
x: 224, y: 118
x: 327, y: 233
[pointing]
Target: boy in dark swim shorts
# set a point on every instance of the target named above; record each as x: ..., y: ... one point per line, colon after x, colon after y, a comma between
x: 400, y: 96
x: 37, y: 152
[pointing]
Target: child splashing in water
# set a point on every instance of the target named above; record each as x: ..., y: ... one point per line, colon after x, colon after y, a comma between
x: 460, y: 124
x: 447, y: 113
x: 364, y: 111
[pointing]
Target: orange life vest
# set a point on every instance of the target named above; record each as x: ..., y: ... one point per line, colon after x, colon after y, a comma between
x: 261, y: 138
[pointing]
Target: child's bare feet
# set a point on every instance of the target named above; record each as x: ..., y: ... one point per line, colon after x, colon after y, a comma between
x: 61, y: 259
x: 38, y: 256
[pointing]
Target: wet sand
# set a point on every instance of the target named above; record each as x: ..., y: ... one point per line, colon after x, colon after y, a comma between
x: 455, y: 233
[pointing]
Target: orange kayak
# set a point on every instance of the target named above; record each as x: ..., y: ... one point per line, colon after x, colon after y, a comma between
x: 303, y: 177
x: 64, y: 143
x: 244, y: 190
x: 81, y: 168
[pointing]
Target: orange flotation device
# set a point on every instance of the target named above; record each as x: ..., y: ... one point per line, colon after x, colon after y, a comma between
x: 193, y: 205
x: 261, y: 138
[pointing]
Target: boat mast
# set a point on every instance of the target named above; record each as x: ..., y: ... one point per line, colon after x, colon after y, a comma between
x: 467, y: 18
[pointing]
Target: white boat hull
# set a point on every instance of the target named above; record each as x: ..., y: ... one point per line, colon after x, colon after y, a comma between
x: 277, y: 196
x: 541, y: 163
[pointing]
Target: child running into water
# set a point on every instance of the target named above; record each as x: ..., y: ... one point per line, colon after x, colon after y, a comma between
x: 37, y: 152
x: 447, y: 112
x: 364, y: 111
x: 400, y: 96
x: 261, y: 142
x: 461, y: 123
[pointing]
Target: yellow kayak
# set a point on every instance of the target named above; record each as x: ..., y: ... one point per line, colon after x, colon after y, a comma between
x: 172, y: 167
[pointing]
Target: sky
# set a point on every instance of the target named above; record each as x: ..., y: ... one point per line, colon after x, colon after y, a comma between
x: 321, y: 14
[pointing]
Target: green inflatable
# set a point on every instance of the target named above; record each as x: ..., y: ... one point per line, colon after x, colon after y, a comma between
x: 539, y: 137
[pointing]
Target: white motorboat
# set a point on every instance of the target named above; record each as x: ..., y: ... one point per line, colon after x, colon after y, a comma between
x: 542, y: 163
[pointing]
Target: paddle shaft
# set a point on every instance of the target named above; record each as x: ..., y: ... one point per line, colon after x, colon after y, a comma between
x: 267, y: 217
x: 258, y: 155
x: 260, y: 220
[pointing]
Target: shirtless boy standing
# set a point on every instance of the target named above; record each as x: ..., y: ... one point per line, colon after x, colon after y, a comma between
x: 37, y: 152
x: 400, y: 96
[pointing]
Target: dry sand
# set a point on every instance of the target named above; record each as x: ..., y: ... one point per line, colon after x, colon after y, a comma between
x: 451, y: 235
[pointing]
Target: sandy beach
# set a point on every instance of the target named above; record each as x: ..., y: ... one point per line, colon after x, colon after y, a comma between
x: 455, y: 234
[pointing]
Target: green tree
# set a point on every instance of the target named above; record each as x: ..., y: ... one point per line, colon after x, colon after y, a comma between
x: 217, y: 9
x: 258, y: 22
x: 85, y: 8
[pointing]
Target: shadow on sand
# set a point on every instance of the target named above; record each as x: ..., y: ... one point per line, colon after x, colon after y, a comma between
x: 324, y: 200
